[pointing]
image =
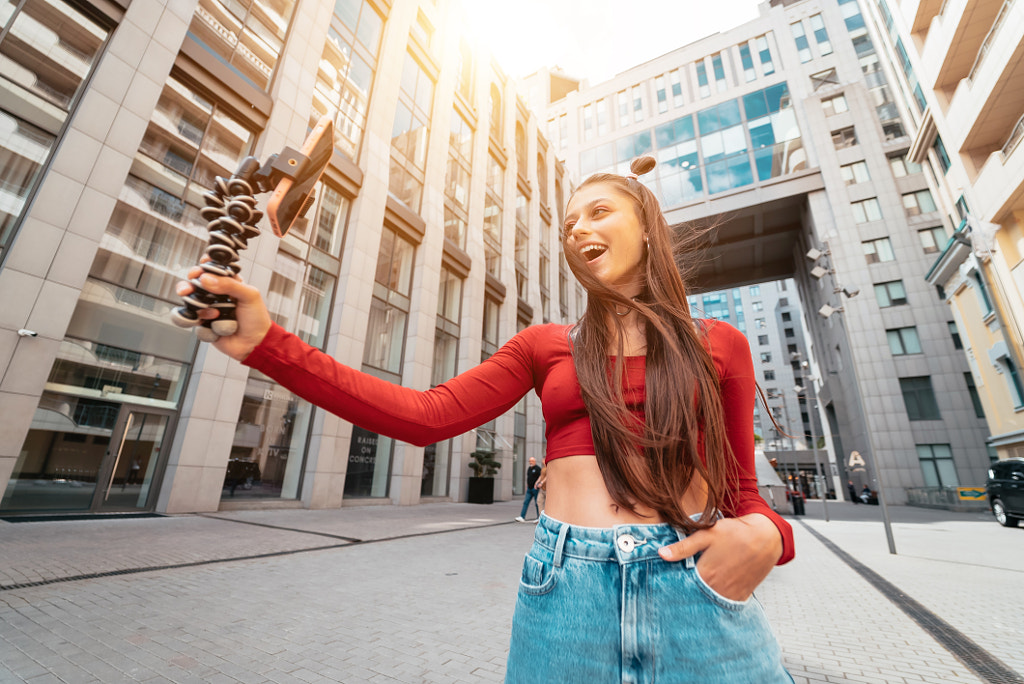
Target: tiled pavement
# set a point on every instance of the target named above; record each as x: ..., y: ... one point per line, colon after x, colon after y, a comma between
x: 287, y: 596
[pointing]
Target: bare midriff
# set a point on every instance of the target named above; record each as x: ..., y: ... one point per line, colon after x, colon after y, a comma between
x: 576, y: 494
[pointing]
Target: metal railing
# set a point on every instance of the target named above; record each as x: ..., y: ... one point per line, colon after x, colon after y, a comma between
x: 990, y: 38
x: 1016, y: 135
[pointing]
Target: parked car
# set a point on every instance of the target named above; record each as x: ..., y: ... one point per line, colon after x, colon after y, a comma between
x: 1005, y: 491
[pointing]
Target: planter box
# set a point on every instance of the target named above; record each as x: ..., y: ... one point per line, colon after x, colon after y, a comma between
x: 481, y: 490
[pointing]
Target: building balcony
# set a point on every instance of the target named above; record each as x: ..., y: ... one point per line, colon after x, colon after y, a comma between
x: 986, y: 106
x: 999, y: 188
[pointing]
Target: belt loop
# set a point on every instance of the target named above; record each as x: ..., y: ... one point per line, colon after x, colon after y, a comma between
x: 563, y: 532
x: 691, y: 563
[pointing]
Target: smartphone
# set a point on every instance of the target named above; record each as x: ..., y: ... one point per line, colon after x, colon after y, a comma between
x: 292, y: 197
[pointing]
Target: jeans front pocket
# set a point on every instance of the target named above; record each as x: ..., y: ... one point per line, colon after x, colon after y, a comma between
x: 538, y: 576
x: 718, y: 599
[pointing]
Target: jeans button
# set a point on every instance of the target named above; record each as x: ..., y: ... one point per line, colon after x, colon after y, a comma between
x: 627, y: 543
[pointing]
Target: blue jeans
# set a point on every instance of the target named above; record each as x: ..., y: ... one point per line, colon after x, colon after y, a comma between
x: 599, y: 605
x: 531, y: 495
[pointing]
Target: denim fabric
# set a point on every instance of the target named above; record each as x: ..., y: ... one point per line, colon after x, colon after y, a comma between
x: 599, y: 605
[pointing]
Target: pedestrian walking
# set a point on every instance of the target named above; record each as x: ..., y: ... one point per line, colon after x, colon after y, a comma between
x: 532, y: 476
x: 853, y: 492
x: 654, y: 535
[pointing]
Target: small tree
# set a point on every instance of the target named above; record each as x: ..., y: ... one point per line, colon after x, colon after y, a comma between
x: 484, y: 464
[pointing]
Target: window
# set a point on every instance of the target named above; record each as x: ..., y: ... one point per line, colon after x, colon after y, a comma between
x: 877, y: 251
x: 786, y: 317
x: 844, y: 137
x: 389, y: 309
x: 919, y: 202
x: 757, y: 306
x: 821, y: 35
x: 490, y: 330
x: 854, y: 173
x: 765, y: 55
x: 937, y: 465
x: 48, y: 50
x: 769, y: 375
x: 788, y: 332
x: 901, y: 166
x: 919, y: 398
x: 677, y: 89
x: 932, y: 239
x: 588, y: 122
x: 941, y: 155
x: 409, y: 134
x: 766, y: 357
x: 522, y: 245
x: 465, y: 72
x: 890, y: 293
x: 866, y: 210
x: 903, y: 341
x: 760, y: 323
x: 762, y: 340
x: 702, y: 80
x: 721, y: 85
x: 755, y: 290
x: 955, y: 334
x: 724, y: 144
x: 972, y: 389
x: 1013, y: 380
x: 638, y: 103
x: 494, y: 106
x: 248, y: 36
x: 982, y: 290
x: 623, y: 101
x: 492, y: 216
x: 774, y: 132
x: 824, y: 79
x: 457, y: 175
x: 835, y: 105
x: 661, y: 94
x: 800, y: 38
x: 747, y: 63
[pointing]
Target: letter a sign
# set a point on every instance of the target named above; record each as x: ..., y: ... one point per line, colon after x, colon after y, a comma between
x: 856, y: 462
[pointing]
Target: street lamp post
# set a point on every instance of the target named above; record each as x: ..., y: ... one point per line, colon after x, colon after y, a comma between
x: 827, y: 311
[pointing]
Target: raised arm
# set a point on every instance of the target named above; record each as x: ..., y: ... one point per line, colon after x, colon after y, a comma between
x: 418, y: 417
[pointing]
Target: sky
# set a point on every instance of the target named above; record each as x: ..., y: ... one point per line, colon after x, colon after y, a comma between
x: 596, y: 39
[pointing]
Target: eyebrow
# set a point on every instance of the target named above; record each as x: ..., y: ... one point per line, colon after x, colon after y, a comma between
x: 589, y: 205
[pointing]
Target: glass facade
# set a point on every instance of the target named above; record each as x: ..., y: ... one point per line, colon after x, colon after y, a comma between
x: 48, y: 50
x: 409, y: 135
x: 245, y: 35
x: 456, y: 184
x: 346, y: 70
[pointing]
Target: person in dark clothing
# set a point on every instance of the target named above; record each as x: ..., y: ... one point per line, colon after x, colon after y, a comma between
x: 532, y: 475
x: 853, y: 492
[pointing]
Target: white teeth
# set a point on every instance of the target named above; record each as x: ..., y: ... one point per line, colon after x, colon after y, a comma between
x: 591, y: 252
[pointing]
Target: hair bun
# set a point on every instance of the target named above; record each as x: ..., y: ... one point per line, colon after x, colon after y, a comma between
x: 643, y: 164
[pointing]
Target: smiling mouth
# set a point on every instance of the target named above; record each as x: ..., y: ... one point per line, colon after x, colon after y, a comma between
x: 592, y: 252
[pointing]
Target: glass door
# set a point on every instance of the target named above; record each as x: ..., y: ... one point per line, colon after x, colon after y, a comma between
x: 126, y: 477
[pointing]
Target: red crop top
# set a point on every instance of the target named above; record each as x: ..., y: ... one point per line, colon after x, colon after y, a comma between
x: 538, y: 358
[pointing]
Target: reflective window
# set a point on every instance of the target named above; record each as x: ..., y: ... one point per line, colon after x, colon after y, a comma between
x: 747, y: 63
x: 876, y: 251
x: 702, y: 80
x: 389, y: 308
x: 457, y: 175
x: 678, y: 168
x: 245, y: 35
x: 920, y: 202
x: 937, y: 466
x: 891, y: 293
x: 844, y: 137
x: 919, y: 398
x: 933, y: 239
x: 409, y: 135
x: 346, y: 70
x: 854, y: 173
x: 803, y: 49
x: 774, y: 132
x: 903, y: 341
x: 866, y: 210
x: 820, y: 34
x: 901, y: 166
x: 765, y: 55
x: 47, y: 52
x: 661, y: 94
x: 724, y: 147
x: 834, y: 105
x: 492, y: 216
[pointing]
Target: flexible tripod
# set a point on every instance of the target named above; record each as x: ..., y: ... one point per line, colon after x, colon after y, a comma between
x: 232, y: 217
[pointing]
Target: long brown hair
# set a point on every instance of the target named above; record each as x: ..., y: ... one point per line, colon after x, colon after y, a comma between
x: 683, y: 408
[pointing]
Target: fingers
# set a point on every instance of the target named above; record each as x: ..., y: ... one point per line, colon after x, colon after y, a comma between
x: 692, y: 545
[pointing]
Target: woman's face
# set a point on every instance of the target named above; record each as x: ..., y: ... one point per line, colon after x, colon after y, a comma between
x: 602, y: 225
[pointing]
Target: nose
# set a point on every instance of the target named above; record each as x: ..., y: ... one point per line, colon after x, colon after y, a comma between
x: 581, y: 227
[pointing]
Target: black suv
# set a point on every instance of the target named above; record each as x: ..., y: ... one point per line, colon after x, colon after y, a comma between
x: 1005, y: 491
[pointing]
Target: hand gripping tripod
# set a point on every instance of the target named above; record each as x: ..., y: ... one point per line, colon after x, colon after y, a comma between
x: 232, y: 217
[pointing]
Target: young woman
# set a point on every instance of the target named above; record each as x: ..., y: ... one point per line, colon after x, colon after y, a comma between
x: 654, y: 536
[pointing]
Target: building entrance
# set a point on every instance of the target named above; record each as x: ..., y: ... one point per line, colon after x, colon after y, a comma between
x: 89, y: 457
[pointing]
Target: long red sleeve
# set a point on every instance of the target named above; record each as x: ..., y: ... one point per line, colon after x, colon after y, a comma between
x: 736, y: 368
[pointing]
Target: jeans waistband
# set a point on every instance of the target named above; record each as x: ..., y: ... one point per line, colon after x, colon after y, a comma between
x: 620, y: 544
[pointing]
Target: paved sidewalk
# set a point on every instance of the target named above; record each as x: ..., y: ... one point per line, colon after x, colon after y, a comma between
x: 425, y: 594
